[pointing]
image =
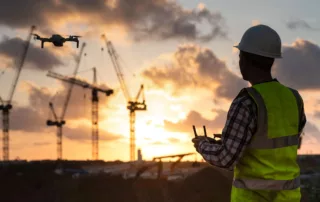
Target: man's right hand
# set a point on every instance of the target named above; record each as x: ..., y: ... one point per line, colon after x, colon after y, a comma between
x: 213, y: 141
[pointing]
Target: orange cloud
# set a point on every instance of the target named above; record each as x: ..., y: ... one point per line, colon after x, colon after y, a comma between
x: 214, y: 125
x: 193, y: 67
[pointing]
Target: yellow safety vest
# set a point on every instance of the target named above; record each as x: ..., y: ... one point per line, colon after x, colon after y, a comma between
x: 268, y: 169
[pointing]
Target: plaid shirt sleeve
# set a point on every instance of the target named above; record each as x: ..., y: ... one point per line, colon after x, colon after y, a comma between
x: 236, y: 135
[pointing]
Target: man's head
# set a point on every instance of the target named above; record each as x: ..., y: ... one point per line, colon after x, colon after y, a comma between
x: 252, y: 65
x: 258, y: 47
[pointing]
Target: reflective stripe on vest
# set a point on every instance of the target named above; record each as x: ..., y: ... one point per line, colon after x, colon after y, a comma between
x: 262, y: 184
x: 261, y: 141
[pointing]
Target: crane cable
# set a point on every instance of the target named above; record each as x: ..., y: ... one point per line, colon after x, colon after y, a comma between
x: 3, y: 71
x: 51, y: 100
x: 85, y: 101
x: 84, y: 64
x: 122, y: 64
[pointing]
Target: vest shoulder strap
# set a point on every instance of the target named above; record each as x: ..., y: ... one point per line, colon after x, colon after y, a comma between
x: 299, y: 104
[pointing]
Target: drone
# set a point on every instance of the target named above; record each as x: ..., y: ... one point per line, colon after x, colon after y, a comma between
x: 57, y: 39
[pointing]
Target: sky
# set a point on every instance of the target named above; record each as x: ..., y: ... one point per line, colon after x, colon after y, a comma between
x: 182, y: 51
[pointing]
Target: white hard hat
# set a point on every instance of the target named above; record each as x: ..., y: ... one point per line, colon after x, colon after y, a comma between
x: 261, y: 40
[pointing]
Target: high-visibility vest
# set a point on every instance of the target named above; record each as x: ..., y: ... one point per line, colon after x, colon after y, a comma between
x: 268, y: 169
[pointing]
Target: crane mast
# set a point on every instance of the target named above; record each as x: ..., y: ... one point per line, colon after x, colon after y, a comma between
x: 6, y: 106
x: 133, y: 105
x: 95, y: 118
x: 59, y: 121
x: 95, y: 104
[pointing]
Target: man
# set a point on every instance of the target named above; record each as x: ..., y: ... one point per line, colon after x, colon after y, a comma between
x: 263, y: 129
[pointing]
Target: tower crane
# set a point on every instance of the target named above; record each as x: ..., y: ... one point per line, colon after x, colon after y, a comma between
x: 133, y: 104
x: 5, y: 106
x: 95, y: 104
x: 59, y: 121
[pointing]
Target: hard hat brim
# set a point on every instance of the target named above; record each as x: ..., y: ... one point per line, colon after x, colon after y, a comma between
x: 275, y: 56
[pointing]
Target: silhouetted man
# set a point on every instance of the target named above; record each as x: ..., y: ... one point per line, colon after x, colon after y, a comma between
x: 263, y: 130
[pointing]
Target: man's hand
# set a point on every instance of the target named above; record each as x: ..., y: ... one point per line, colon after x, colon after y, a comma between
x: 196, y: 141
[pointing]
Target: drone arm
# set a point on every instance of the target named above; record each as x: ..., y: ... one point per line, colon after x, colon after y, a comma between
x: 73, y: 39
x: 36, y: 36
x: 43, y: 40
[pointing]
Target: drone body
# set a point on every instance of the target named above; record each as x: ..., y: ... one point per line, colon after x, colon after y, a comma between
x: 57, y: 40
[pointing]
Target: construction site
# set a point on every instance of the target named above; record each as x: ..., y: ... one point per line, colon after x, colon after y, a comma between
x: 116, y: 181
x: 167, y: 178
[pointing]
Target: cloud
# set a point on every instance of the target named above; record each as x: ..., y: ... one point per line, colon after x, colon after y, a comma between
x: 145, y: 19
x: 157, y: 143
x: 195, y: 118
x: 312, y: 134
x: 173, y: 140
x: 31, y: 118
x: 83, y: 133
x: 192, y: 66
x: 317, y: 114
x: 299, y: 24
x: 27, y: 119
x: 38, y: 59
x: 299, y: 67
x: 165, y: 142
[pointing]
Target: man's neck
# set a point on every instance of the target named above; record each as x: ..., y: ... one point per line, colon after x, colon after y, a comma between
x: 261, y: 79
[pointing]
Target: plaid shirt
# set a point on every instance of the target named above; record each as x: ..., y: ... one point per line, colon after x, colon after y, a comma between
x: 241, y: 124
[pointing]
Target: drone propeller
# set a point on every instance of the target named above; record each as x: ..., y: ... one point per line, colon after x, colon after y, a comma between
x: 74, y: 36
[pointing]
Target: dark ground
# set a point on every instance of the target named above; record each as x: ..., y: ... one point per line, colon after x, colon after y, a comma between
x: 37, y: 182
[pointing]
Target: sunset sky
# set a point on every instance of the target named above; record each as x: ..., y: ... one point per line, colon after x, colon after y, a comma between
x: 182, y: 51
